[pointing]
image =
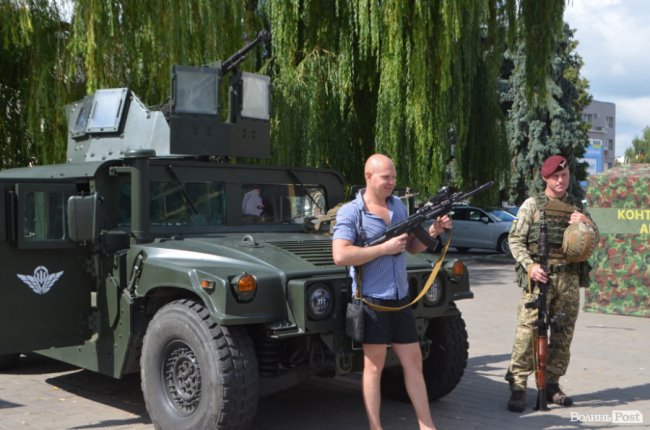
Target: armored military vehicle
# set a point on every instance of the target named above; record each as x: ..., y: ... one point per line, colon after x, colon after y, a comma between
x: 149, y: 251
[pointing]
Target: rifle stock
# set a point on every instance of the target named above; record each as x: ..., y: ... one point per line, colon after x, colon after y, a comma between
x: 440, y: 204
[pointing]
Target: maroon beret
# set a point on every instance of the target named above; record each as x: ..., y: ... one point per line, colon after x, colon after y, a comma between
x: 553, y: 164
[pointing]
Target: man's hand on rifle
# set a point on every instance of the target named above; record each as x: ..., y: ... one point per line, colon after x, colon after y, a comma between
x: 395, y: 245
x: 441, y: 224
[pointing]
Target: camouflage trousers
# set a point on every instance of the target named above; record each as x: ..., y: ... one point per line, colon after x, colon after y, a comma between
x: 563, y: 303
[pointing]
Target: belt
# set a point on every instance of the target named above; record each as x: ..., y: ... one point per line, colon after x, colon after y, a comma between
x: 563, y: 268
x: 387, y: 302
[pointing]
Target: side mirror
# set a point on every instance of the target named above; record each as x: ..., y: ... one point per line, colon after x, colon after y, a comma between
x: 485, y: 219
x: 82, y: 218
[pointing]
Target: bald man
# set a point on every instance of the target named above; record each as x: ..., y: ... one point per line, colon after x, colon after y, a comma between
x: 383, y: 273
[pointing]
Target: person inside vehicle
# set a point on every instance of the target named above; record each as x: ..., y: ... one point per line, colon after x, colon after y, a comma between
x: 252, y: 205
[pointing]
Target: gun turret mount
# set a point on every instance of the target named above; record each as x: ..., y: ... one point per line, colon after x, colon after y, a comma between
x: 110, y: 122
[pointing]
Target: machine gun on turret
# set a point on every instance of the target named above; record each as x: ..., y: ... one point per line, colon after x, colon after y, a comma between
x: 196, y: 122
x: 239, y: 56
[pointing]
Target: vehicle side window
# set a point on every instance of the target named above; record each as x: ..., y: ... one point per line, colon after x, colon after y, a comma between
x: 475, y: 215
x: 459, y: 214
x: 44, y: 216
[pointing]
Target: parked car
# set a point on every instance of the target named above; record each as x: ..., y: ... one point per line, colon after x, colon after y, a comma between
x: 512, y: 210
x: 482, y: 228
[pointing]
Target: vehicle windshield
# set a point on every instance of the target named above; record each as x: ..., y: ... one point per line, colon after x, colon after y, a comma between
x: 500, y: 214
x: 197, y: 203
x: 204, y: 203
x: 281, y: 203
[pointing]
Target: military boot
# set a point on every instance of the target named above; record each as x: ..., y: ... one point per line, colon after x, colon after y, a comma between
x: 555, y: 395
x: 517, y: 401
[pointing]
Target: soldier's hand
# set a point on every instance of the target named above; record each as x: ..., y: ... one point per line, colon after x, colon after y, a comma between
x: 579, y: 217
x: 537, y: 274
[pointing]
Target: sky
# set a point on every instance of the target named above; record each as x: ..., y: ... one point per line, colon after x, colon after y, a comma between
x: 613, y: 38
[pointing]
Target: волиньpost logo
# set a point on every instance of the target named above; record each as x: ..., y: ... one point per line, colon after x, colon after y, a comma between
x: 616, y: 417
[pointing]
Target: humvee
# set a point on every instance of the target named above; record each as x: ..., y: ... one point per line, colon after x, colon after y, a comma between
x: 138, y: 255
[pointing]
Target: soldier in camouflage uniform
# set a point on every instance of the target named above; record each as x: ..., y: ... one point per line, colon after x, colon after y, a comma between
x: 564, y: 280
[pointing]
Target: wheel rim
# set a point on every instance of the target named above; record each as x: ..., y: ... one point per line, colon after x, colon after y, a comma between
x: 505, y: 246
x: 181, y: 376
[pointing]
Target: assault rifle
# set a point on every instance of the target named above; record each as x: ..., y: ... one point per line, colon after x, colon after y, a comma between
x: 542, y: 323
x: 440, y: 204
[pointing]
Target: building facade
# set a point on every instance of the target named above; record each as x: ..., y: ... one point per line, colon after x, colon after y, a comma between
x: 601, y: 117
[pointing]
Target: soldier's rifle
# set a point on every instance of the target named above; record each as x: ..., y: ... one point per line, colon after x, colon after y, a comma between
x: 542, y: 323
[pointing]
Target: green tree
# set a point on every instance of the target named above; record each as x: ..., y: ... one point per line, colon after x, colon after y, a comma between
x: 349, y: 78
x: 389, y: 77
x: 548, y: 124
x: 640, y: 150
x: 32, y: 42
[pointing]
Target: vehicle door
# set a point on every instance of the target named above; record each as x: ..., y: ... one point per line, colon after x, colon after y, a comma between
x: 479, y: 229
x: 45, y: 281
x: 460, y: 233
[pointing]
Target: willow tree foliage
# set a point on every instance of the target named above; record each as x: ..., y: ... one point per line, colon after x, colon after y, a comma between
x: 548, y: 124
x: 32, y: 39
x: 391, y: 77
x: 350, y: 78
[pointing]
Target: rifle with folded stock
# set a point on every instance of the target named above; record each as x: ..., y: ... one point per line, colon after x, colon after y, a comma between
x: 440, y: 204
x: 542, y: 323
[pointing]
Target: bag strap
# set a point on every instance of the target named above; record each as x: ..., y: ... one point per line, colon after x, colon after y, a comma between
x: 357, y: 269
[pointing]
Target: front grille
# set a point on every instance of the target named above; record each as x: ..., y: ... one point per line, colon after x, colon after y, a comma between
x: 317, y: 252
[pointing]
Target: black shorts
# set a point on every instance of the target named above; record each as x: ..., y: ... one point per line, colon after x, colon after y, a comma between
x: 389, y: 327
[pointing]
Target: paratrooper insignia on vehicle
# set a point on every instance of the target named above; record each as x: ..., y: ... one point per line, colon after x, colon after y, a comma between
x: 42, y: 281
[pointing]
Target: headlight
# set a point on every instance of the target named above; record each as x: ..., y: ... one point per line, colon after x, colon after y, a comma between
x: 320, y: 301
x: 434, y: 295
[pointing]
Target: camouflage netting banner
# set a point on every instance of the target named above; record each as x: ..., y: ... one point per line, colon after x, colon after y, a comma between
x: 619, y: 202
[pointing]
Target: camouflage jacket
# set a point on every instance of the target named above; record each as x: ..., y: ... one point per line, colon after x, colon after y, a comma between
x: 521, y: 235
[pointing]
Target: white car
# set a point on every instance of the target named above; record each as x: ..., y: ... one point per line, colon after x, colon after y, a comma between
x: 483, y: 228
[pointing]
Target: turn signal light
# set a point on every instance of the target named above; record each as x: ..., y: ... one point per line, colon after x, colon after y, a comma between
x: 458, y: 270
x: 244, y: 287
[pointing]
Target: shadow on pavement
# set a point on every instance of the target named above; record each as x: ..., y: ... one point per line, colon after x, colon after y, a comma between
x: 124, y: 394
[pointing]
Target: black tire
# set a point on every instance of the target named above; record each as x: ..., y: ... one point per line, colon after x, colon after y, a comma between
x: 503, y: 246
x: 462, y: 249
x: 197, y: 374
x: 445, y: 365
x: 8, y: 361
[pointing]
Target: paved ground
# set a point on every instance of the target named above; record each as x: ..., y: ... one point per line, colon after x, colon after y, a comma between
x: 609, y: 375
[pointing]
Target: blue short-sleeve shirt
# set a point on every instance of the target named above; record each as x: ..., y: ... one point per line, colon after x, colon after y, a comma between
x: 384, y: 277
